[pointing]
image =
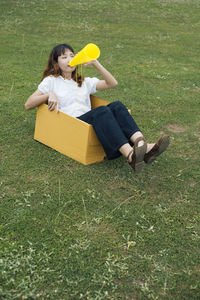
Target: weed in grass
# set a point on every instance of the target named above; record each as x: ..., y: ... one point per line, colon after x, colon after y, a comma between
x: 22, y: 269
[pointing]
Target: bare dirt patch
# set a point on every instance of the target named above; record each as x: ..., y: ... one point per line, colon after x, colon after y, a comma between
x: 175, y: 128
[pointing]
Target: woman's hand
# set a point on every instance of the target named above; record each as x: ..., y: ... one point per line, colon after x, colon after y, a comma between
x: 53, y: 102
x: 91, y: 62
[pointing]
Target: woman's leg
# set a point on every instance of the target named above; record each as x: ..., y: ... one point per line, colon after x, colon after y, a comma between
x: 125, y: 121
x: 108, y: 131
x: 113, y: 138
x: 128, y: 124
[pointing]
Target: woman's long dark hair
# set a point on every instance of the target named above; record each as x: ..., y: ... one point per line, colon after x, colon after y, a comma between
x: 52, y: 67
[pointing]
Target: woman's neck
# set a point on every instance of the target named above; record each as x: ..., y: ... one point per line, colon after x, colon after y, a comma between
x: 67, y: 75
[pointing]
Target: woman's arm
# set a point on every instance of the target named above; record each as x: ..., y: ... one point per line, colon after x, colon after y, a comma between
x: 38, y: 98
x: 109, y: 81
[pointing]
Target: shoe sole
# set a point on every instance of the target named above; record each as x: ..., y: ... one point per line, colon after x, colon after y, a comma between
x: 139, y: 154
x: 162, y: 148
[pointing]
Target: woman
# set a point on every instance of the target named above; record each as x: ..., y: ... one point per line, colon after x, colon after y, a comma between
x: 63, y: 89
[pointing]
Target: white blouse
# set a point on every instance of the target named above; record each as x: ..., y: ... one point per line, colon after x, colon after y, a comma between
x: 73, y: 100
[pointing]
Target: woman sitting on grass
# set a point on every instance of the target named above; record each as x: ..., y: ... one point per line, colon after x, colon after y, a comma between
x: 62, y: 89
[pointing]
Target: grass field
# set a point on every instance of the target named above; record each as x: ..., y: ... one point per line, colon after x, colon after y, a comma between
x: 95, y: 232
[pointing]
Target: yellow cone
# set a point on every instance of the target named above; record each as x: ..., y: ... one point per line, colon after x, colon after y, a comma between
x: 88, y: 53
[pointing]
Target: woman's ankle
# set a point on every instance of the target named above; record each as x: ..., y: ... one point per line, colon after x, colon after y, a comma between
x: 126, y: 150
x: 138, y: 138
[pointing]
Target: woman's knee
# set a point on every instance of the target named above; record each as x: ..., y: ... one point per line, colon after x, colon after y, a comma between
x: 102, y: 110
x: 117, y: 105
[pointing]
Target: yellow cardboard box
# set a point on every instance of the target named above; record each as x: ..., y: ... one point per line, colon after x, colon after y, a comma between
x: 69, y: 135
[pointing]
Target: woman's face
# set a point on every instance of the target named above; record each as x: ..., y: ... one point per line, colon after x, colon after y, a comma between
x: 63, y: 61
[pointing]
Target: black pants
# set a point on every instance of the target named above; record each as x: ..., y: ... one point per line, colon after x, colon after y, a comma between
x: 113, y: 126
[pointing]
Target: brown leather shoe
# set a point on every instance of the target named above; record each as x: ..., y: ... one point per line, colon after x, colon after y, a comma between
x: 137, y: 155
x: 157, y: 149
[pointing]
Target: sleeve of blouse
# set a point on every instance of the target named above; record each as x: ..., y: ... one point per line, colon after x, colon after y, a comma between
x: 46, y: 85
x: 91, y: 84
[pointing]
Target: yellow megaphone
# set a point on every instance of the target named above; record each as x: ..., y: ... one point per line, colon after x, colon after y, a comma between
x: 88, y: 53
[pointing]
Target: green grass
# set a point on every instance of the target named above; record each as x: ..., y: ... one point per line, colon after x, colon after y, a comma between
x: 70, y: 231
